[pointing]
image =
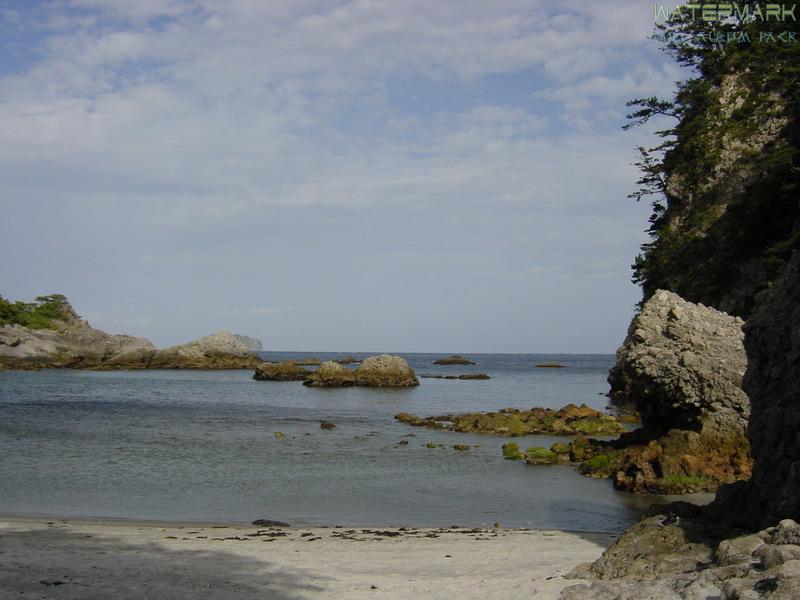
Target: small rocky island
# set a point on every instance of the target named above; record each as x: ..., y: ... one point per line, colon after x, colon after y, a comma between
x: 48, y: 333
x: 455, y: 359
x: 376, y: 371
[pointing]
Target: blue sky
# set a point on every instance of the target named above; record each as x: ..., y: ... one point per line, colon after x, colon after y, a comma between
x: 352, y: 175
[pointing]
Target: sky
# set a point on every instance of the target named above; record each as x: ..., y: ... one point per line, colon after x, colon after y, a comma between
x: 365, y: 175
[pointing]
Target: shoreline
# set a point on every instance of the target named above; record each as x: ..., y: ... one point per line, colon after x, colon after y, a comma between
x: 129, y: 559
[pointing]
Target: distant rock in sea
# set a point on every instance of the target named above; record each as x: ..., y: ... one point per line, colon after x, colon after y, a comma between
x: 65, y: 340
x: 455, y: 359
x: 252, y: 344
x: 376, y: 371
x: 282, y: 371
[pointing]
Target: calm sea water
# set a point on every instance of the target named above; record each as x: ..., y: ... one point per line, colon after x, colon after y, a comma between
x: 197, y: 445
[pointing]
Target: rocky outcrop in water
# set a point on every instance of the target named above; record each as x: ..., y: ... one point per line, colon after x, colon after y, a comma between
x: 282, y: 371
x: 252, y: 344
x: 70, y: 342
x: 455, y: 359
x: 681, y: 365
x: 221, y: 350
x: 73, y: 344
x: 569, y: 420
x: 376, y: 371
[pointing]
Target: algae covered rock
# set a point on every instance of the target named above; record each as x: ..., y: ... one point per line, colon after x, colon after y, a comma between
x: 511, y: 451
x: 455, y: 359
x: 282, y: 371
x: 569, y: 420
x: 385, y: 371
x: 536, y: 455
x: 330, y: 374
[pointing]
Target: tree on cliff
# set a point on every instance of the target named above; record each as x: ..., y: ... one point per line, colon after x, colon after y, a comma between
x: 724, y: 176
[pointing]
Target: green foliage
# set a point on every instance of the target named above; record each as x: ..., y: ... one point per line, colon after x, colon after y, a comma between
x: 598, y: 463
x: 540, y: 456
x: 39, y: 314
x: 723, y: 178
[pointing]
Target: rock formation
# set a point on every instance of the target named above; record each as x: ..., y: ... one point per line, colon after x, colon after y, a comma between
x: 455, y: 359
x: 70, y: 342
x: 682, y: 366
x: 376, y: 371
x: 569, y: 420
x: 282, y: 371
x: 74, y: 344
x: 252, y: 344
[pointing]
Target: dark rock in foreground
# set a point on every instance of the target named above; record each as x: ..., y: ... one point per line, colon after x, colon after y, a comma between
x: 455, y: 359
x: 282, y: 371
x: 570, y: 420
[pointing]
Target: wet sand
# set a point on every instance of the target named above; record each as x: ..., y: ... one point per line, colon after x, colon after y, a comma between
x: 49, y: 558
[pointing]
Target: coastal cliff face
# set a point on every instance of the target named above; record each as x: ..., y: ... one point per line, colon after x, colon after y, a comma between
x: 731, y: 218
x: 67, y: 341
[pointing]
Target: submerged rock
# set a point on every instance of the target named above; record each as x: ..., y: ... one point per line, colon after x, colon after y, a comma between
x: 327, y: 425
x: 455, y: 359
x: 536, y: 455
x: 282, y: 371
x: 569, y: 420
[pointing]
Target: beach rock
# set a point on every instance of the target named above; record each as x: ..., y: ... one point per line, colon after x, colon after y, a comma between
x: 682, y: 365
x: 221, y: 350
x: 282, y: 371
x: 455, y: 359
x: 326, y: 425
x: 673, y: 555
x: 330, y: 374
x: 269, y: 523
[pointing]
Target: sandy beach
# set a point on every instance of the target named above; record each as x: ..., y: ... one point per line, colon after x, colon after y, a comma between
x: 54, y: 558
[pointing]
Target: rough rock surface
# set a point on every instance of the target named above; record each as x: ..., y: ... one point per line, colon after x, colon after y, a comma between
x: 75, y: 344
x: 221, y: 350
x: 383, y: 370
x: 569, y: 420
x: 773, y: 384
x: 682, y: 365
x: 672, y: 557
x: 282, y: 371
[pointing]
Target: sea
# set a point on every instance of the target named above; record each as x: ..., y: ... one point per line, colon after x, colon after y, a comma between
x: 201, y: 446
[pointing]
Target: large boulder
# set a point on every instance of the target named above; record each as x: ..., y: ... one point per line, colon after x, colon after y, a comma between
x: 221, y: 350
x: 681, y: 365
x: 385, y: 371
